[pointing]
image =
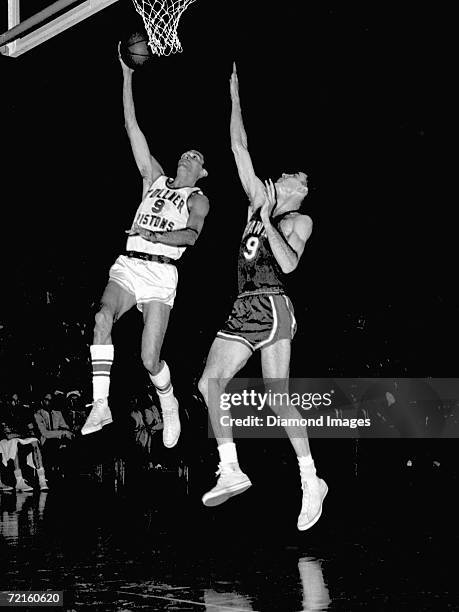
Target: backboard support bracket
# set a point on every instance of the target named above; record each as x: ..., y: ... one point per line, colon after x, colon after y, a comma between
x: 15, y: 41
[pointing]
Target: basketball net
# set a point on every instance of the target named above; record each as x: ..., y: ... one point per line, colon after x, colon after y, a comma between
x: 161, y: 18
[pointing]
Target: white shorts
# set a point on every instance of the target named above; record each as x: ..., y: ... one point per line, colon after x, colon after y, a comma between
x: 147, y: 281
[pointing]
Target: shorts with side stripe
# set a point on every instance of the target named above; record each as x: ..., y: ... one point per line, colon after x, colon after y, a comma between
x: 260, y: 320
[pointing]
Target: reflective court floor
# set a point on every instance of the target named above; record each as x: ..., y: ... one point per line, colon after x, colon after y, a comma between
x: 381, y: 544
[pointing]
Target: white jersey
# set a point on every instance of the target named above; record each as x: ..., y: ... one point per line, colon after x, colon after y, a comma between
x: 163, y: 209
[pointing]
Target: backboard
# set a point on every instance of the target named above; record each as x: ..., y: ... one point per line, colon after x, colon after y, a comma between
x: 28, y: 27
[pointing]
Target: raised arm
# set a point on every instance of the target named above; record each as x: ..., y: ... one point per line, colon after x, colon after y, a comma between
x: 148, y: 166
x: 287, y: 243
x: 251, y: 183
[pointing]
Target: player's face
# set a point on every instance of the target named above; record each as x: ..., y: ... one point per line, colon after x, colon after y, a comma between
x: 192, y: 161
x: 293, y: 182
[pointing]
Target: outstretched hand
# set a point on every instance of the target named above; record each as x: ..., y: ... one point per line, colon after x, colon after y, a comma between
x: 123, y: 65
x: 270, y: 201
x: 234, y: 84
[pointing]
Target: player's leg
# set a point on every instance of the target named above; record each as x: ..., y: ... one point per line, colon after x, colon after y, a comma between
x: 156, y: 318
x: 21, y: 484
x: 114, y: 303
x: 225, y: 359
x: 275, y: 363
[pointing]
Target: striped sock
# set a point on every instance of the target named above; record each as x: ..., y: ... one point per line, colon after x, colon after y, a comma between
x: 163, y: 385
x: 102, y: 359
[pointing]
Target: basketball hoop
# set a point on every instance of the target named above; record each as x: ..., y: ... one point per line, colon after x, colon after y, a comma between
x: 161, y: 18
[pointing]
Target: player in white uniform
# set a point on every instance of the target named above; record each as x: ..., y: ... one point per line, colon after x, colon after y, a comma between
x: 169, y: 218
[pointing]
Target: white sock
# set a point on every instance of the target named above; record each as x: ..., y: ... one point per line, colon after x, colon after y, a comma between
x: 307, y: 468
x: 227, y: 452
x: 163, y: 385
x: 102, y: 360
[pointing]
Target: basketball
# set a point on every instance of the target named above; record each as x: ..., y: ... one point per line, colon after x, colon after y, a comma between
x: 135, y: 51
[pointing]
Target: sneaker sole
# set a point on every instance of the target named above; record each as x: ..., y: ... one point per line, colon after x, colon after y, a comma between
x: 223, y: 496
x: 318, y: 515
x: 93, y: 428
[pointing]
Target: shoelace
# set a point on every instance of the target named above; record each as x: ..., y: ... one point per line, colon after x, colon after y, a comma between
x: 94, y: 403
x: 169, y: 415
x: 223, y: 469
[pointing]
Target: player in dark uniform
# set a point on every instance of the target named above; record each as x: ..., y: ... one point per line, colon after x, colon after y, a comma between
x: 262, y: 318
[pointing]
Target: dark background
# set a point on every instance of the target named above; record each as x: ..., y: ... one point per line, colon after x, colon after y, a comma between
x: 354, y: 95
x: 341, y: 92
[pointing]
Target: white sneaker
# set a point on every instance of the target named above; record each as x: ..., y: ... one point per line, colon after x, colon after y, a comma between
x: 99, y: 416
x: 4, y: 487
x: 231, y: 481
x: 314, y: 492
x: 171, y: 421
x: 44, y: 485
x: 21, y: 485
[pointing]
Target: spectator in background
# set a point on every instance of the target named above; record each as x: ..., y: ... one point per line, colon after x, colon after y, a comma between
x: 50, y: 421
x: 17, y: 437
x: 147, y: 422
x: 59, y: 400
x: 75, y: 413
x: 4, y: 487
x: 54, y: 431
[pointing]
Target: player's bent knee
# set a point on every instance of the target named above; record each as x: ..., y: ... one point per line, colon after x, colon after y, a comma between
x: 203, y: 387
x: 209, y: 381
x: 151, y: 362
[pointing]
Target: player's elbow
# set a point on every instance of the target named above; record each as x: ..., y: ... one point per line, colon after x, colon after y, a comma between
x: 192, y: 236
x: 288, y: 268
x: 130, y: 125
x: 290, y: 265
x: 237, y: 147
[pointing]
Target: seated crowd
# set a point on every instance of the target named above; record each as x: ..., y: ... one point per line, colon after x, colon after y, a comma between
x: 37, y: 439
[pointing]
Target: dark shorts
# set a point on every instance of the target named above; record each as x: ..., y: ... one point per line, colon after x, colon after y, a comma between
x: 260, y: 320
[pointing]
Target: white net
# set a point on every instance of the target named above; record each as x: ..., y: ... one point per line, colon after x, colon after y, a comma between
x: 161, y: 18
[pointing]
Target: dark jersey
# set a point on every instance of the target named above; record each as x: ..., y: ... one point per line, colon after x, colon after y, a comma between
x: 258, y: 270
